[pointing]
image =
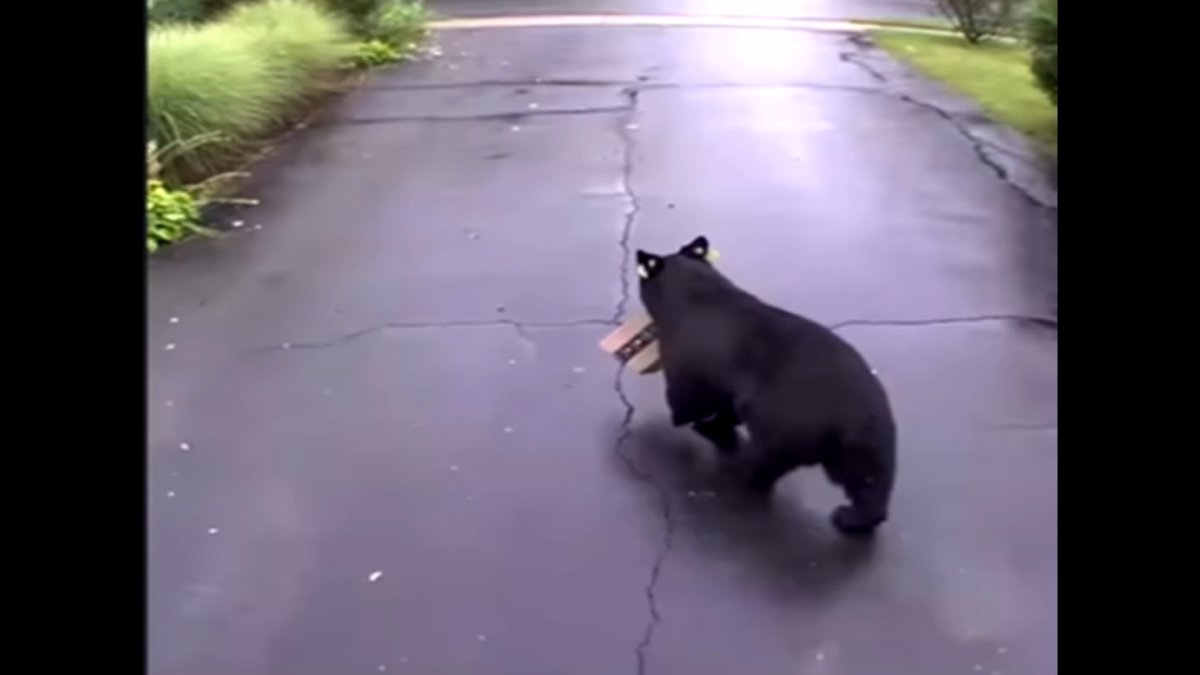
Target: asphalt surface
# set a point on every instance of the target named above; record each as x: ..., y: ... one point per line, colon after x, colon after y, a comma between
x: 382, y: 438
x: 809, y: 9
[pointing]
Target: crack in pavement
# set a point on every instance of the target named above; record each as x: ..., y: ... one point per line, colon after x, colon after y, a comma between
x: 535, y: 82
x: 1041, y: 321
x: 521, y: 328
x: 642, y: 85
x: 664, y: 499
x: 509, y: 117
x: 861, y: 43
x: 664, y: 502
x: 627, y: 190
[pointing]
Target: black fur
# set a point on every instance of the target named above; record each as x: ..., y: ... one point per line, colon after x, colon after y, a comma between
x: 804, y: 394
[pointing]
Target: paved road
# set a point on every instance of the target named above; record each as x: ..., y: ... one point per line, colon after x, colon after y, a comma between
x: 382, y: 437
x: 824, y: 9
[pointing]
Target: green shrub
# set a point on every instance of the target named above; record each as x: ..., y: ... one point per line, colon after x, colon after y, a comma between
x: 374, y: 53
x: 356, y: 12
x: 185, y: 11
x: 171, y: 215
x: 238, y: 76
x: 978, y: 19
x: 403, y: 24
x: 174, y: 11
x: 1042, y: 30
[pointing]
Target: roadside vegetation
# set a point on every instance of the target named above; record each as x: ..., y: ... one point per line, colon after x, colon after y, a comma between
x: 227, y: 76
x: 1014, y: 80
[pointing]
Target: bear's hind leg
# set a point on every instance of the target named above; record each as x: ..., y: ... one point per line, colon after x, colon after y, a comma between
x: 867, y: 487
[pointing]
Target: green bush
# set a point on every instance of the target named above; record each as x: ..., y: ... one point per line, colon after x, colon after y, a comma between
x: 171, y: 215
x: 238, y: 76
x: 374, y: 53
x: 174, y: 11
x: 403, y: 24
x: 356, y: 12
x: 185, y: 11
x: 1042, y: 27
x: 978, y: 19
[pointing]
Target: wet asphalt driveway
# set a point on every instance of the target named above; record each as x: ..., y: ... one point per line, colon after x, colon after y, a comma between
x: 382, y: 438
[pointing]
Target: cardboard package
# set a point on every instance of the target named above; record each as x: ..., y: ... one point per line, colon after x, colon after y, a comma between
x: 635, y: 344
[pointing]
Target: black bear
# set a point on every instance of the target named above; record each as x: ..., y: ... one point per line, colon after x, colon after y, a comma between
x: 804, y: 394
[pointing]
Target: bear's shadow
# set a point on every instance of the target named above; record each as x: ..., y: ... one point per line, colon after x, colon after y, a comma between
x: 793, y: 552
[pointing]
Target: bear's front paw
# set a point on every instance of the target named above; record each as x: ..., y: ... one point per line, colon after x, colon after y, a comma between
x: 850, y: 521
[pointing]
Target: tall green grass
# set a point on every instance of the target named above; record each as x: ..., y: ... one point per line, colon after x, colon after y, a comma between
x: 239, y: 76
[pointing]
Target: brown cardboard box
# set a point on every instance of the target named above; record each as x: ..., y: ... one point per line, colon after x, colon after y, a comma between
x: 635, y: 343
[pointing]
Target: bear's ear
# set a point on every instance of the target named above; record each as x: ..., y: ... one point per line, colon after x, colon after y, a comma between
x: 698, y: 248
x: 648, y: 264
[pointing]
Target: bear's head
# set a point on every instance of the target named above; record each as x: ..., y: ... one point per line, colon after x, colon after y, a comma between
x: 670, y: 283
x: 650, y: 265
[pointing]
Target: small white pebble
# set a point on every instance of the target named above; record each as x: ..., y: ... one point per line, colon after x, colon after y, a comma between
x: 454, y: 467
x: 237, y: 223
x: 258, y: 226
x: 382, y: 668
x: 820, y: 656
x: 978, y: 668
x: 515, y: 128
x: 185, y: 446
x: 173, y: 319
x: 286, y: 345
x: 512, y: 362
x: 874, y: 372
x: 453, y: 67
x: 483, y: 638
x: 578, y: 370
x: 508, y: 430
x: 533, y: 106
x: 1001, y: 650
x: 631, y: 127
x: 213, y: 530
x: 374, y: 576
x: 170, y: 493
x: 170, y: 404
x: 170, y: 347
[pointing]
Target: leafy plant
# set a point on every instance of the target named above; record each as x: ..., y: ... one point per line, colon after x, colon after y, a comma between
x: 978, y: 19
x: 171, y: 215
x: 374, y: 53
x: 174, y: 11
x: 354, y: 11
x: 403, y: 24
x: 1042, y: 32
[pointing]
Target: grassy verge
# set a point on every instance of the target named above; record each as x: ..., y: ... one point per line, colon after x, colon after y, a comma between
x: 237, y: 81
x: 995, y: 74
